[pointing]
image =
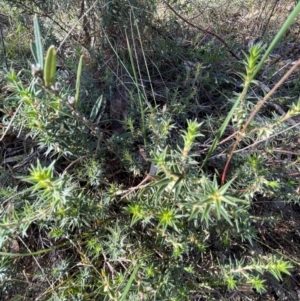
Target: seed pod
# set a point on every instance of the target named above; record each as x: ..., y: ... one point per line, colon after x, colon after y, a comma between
x: 50, y: 67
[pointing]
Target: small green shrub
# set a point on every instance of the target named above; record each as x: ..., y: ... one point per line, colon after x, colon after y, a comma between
x: 79, y: 221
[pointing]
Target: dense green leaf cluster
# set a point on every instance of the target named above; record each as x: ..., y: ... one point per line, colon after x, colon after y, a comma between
x: 140, y: 214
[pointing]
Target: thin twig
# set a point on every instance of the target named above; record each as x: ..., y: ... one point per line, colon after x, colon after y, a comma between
x: 140, y: 186
x: 74, y: 162
x: 203, y: 30
x: 75, y: 24
x: 11, y: 121
x: 257, y: 142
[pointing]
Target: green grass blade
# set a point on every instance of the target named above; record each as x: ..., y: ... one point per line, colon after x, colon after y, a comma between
x: 129, y: 283
x: 38, y: 43
x: 33, y: 51
x: 140, y: 98
x: 279, y: 35
x: 96, y: 108
x: 79, y: 70
x: 222, y: 129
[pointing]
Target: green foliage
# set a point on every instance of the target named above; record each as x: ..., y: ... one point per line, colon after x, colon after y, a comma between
x: 37, y: 47
x: 141, y: 214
